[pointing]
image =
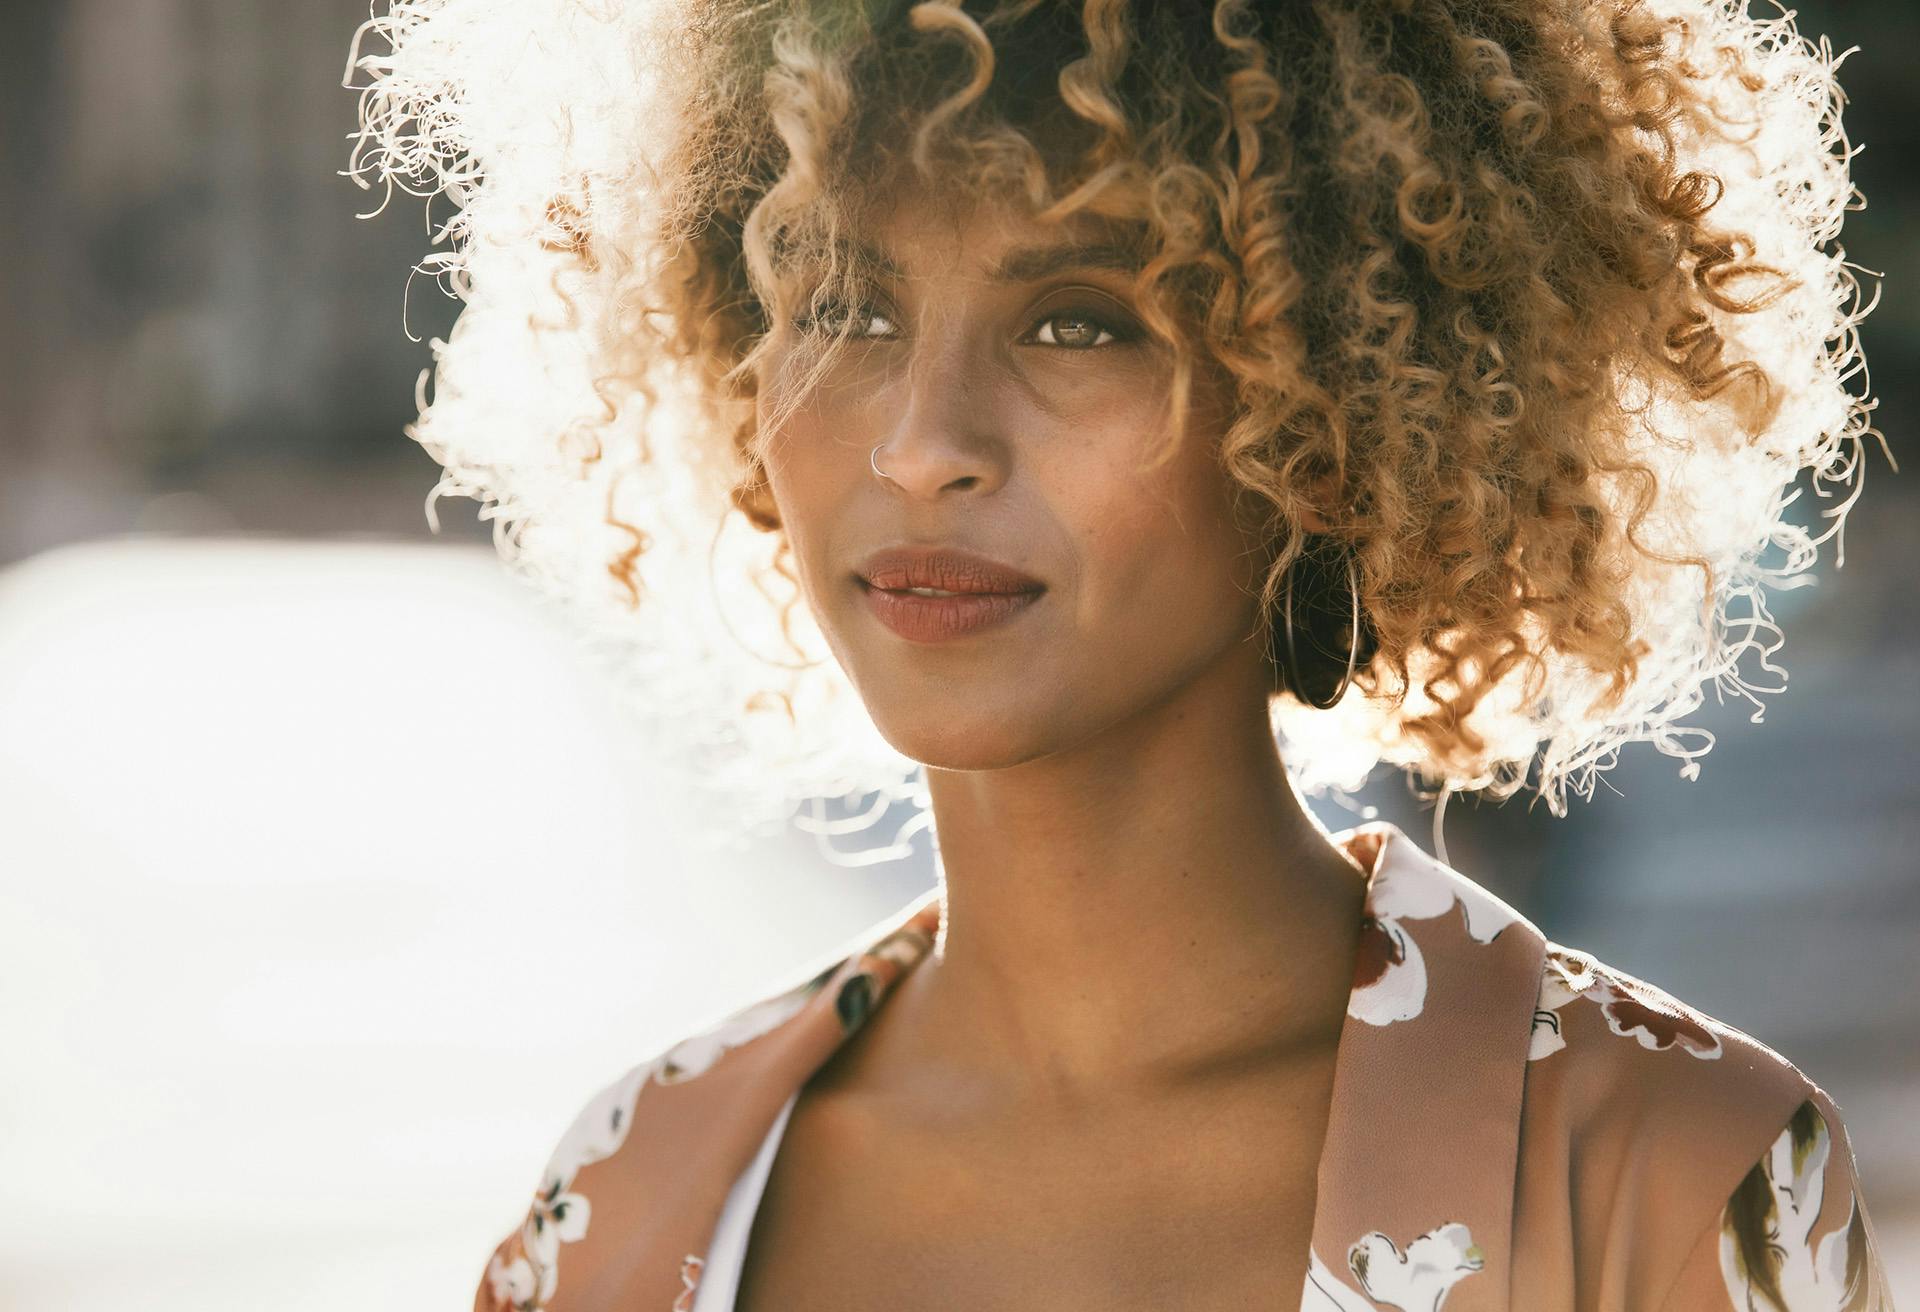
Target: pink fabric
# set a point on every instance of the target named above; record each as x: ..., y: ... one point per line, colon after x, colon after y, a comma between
x: 1514, y: 1126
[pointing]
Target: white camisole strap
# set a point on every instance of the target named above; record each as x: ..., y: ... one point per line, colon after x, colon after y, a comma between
x: 727, y: 1252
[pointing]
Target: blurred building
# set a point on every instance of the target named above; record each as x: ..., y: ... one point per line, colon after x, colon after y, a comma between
x: 198, y: 333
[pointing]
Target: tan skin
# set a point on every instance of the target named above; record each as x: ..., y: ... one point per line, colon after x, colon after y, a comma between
x: 1108, y: 1085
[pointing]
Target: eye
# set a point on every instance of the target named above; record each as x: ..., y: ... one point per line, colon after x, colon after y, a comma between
x: 1076, y: 330
x: 829, y: 321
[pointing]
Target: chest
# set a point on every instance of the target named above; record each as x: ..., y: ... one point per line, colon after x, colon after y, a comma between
x: 1204, y: 1203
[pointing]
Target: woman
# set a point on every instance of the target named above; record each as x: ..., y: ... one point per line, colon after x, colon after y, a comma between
x: 1100, y: 384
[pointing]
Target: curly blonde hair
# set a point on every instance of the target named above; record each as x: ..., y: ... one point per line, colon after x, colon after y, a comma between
x: 1536, y: 303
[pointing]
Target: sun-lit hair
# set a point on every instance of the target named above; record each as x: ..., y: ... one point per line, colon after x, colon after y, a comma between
x: 1538, y: 303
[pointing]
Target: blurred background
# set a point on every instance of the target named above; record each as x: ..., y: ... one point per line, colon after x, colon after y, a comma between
x: 330, y: 884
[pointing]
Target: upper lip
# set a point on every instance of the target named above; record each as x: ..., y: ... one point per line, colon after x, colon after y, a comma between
x: 945, y: 568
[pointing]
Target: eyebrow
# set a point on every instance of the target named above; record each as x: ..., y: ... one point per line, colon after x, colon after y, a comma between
x: 1029, y: 263
x: 1033, y: 263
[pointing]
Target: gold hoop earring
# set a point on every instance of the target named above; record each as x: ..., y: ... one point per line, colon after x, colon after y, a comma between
x: 1290, y: 666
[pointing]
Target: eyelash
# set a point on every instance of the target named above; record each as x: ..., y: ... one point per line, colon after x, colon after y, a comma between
x: 1119, y: 335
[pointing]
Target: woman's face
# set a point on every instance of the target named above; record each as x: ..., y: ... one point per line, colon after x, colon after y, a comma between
x: 1016, y: 583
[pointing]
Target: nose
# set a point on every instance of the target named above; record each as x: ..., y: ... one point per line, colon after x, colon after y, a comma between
x: 944, y: 441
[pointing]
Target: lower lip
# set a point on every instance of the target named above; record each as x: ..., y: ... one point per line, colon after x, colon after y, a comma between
x: 938, y: 619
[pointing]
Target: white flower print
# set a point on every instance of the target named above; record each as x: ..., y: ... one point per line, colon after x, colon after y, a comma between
x: 515, y: 1285
x: 1633, y: 1008
x: 560, y: 1216
x: 690, y: 1268
x: 1415, y: 1281
x: 1555, y: 993
x: 1767, y: 1253
x: 1326, y: 1292
x: 1390, y: 976
x: 693, y: 1056
x: 596, y: 1133
x: 555, y: 1218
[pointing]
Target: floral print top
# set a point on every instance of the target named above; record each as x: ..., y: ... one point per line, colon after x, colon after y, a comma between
x: 1515, y: 1127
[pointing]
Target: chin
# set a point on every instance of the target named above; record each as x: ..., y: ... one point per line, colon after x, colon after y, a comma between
x: 943, y: 738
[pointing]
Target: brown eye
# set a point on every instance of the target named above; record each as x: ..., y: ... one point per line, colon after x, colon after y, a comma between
x: 1076, y: 330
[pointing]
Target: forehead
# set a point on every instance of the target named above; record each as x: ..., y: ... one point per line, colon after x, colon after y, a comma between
x: 919, y: 235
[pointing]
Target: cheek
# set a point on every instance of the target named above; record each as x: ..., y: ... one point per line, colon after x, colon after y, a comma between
x: 809, y: 476
x: 1172, y: 608
x: 798, y: 504
x: 1165, y: 558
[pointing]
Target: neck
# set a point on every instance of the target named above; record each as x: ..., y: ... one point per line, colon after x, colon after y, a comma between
x: 1136, y: 912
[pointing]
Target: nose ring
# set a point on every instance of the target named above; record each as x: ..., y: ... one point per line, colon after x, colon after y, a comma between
x: 873, y: 463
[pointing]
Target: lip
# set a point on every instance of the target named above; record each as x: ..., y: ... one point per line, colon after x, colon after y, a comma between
x: 945, y: 568
x: 979, y: 592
